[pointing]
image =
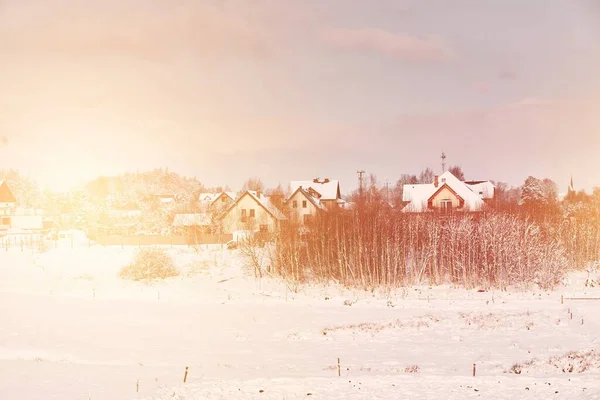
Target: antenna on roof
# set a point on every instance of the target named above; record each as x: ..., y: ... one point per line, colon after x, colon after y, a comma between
x: 443, y: 157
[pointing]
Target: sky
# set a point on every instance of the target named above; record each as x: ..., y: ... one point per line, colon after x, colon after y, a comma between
x: 289, y: 90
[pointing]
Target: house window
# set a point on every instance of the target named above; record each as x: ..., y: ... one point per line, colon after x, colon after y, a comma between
x: 244, y: 215
x: 295, y: 204
x: 446, y: 205
x: 303, y: 203
x: 5, y: 221
x: 252, y: 215
x: 223, y: 199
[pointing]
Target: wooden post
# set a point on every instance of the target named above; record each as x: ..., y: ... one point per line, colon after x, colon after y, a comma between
x: 339, y: 368
x: 571, y: 315
x: 562, y: 299
x: 474, y: 368
x: 137, y: 386
x: 185, y: 375
x: 581, y: 320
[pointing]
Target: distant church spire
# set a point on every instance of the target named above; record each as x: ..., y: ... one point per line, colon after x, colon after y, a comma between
x: 571, y: 187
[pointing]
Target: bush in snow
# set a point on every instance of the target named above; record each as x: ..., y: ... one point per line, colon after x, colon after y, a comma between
x: 149, y: 265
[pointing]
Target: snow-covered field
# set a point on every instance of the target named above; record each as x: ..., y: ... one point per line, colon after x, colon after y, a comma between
x: 71, y: 329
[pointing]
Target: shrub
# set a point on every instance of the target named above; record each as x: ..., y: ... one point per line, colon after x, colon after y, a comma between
x: 149, y: 265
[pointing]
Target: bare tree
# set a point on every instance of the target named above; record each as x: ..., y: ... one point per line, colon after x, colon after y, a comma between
x: 457, y: 171
x: 426, y: 176
x: 253, y: 183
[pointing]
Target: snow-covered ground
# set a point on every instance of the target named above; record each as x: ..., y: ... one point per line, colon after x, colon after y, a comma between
x: 71, y: 329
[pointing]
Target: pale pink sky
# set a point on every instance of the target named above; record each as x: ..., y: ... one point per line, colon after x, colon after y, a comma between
x: 285, y: 89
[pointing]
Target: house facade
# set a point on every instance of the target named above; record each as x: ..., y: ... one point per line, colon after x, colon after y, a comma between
x: 447, y: 194
x: 252, y: 211
x: 304, y: 205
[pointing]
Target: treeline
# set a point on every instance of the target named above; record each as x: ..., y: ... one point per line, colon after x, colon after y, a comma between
x: 534, y: 242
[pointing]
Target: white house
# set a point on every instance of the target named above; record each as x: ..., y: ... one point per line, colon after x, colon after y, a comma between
x: 328, y: 190
x: 252, y: 211
x: 304, y: 204
x: 447, y: 193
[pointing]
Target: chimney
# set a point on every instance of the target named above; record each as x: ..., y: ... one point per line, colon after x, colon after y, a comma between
x: 326, y: 180
x: 316, y: 180
x: 435, y: 181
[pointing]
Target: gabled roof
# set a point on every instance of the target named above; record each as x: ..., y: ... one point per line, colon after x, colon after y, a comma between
x: 6, y: 195
x: 262, y: 201
x: 212, y: 197
x: 199, y: 219
x: 440, y: 189
x: 418, y: 195
x: 328, y: 189
x: 309, y: 196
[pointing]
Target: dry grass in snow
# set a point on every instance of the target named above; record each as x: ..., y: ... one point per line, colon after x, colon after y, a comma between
x: 571, y: 362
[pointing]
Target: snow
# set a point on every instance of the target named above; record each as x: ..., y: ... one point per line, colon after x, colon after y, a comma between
x: 71, y: 329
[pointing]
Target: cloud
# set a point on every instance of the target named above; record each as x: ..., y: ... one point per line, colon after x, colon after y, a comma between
x: 396, y: 46
x: 147, y: 30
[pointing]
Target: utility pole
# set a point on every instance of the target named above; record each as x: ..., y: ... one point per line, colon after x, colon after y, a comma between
x: 443, y: 157
x: 360, y: 173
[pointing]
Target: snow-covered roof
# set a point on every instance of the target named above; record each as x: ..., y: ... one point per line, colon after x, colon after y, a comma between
x: 485, y: 189
x: 418, y: 195
x: 327, y: 188
x: 265, y: 201
x: 207, y: 197
x: 210, y: 198
x: 199, y: 219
